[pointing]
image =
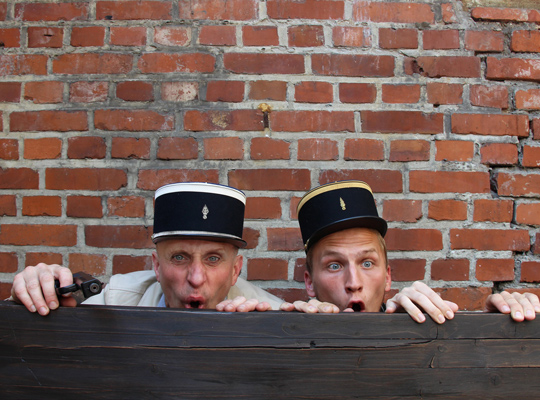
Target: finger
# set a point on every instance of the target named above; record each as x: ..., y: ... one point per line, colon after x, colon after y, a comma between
x: 287, y: 306
x: 328, y: 308
x: 409, y: 307
x: 247, y: 306
x: 32, y: 285
x: 516, y: 309
x: 232, y: 306
x: 221, y: 305
x: 46, y: 285
x: 526, y: 305
x: 432, y: 302
x: 534, y: 301
x: 304, y: 307
x: 496, y: 302
x: 263, y: 306
x: 20, y: 294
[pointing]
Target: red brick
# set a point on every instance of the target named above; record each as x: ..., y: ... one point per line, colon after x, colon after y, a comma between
x: 454, y: 150
x: 317, y: 150
x: 44, y: 92
x: 168, y: 63
x: 179, y: 91
x: 25, y: 64
x: 9, y: 149
x: 134, y: 10
x: 528, y: 214
x: 263, y: 148
x: 8, y: 205
x: 513, y: 69
x: 86, y: 147
x: 393, y: 12
x: 467, y: 298
x: 126, y: 236
x: 484, y: 41
x: 402, y: 210
x: 407, y: 270
x: 447, y: 210
x: 38, y: 235
x: 3, y: 14
x: 132, y: 120
x: 530, y: 271
x: 491, y: 124
x: 45, y: 37
x: 289, y: 295
x: 270, y: 179
x: 223, y: 148
x: 232, y: 91
x: 152, y: 179
x: 33, y: 259
x: 400, y: 94
x: 10, y: 37
x: 499, y: 14
x: 495, y: 269
x: 128, y: 36
x: 409, y: 150
x: 357, y: 93
x: 490, y: 239
x: 88, y: 92
x: 528, y: 99
x: 308, y: 9
x: 251, y: 236
x: 93, y: 264
x: 499, y: 154
x: 449, y: 181
x: 18, y: 178
x: 448, y: 66
x: 236, y: 120
x: 92, y: 63
x: 243, y: 63
x: 42, y: 149
x: 268, y: 90
x: 525, y: 41
x: 176, y: 148
x: 87, y: 36
x: 444, y: 93
x: 9, y: 263
x: 51, y: 11
x: 135, y: 91
x: 450, y: 270
x: 352, y: 65
x: 448, y: 13
x: 497, y: 210
x: 447, y: 39
x: 518, y: 185
x: 299, y: 269
x: 313, y: 92
x: 306, y: 36
x: 85, y: 179
x: 414, y: 240
x: 217, y: 35
x: 263, y: 208
x: 267, y: 269
x: 398, y: 38
x: 312, y: 121
x: 126, y: 206
x: 172, y: 35
x: 531, y: 156
x: 381, y: 181
x: 536, y: 128
x: 260, y: 36
x: 489, y: 96
x: 401, y: 122
x: 363, y: 150
x: 284, y: 239
x: 10, y: 92
x: 124, y: 264
x: 42, y: 206
x: 84, y: 207
x: 235, y: 10
x: 60, y: 121
x: 351, y: 36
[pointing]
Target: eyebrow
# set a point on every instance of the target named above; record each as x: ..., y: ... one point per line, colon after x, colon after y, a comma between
x: 335, y: 253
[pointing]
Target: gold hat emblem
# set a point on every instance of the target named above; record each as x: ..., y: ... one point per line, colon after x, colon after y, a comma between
x: 342, y: 204
x: 205, y: 212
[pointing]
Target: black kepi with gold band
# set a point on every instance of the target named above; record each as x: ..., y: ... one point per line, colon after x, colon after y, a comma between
x: 198, y: 210
x: 337, y: 206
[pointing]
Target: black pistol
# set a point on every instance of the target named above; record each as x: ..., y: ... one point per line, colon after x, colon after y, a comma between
x: 84, y: 286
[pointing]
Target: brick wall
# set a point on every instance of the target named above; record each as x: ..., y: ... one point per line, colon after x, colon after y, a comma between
x: 434, y: 103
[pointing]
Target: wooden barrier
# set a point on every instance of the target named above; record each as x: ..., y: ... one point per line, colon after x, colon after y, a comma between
x: 96, y: 352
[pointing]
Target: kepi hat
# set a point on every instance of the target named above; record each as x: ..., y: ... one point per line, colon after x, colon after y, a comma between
x: 198, y: 210
x: 337, y: 206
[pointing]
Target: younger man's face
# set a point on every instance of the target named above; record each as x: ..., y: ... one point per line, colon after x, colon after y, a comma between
x: 349, y: 269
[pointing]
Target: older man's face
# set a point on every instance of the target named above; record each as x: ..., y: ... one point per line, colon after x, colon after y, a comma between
x: 349, y: 269
x: 195, y: 273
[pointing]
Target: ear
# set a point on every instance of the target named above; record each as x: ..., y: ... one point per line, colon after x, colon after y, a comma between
x: 388, y: 284
x: 237, y: 268
x: 155, y: 264
x: 309, y: 284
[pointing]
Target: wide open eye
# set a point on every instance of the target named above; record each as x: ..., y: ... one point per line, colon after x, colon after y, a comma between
x: 367, y: 264
x: 334, y: 267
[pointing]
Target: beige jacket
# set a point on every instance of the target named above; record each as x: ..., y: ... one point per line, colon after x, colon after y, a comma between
x: 142, y: 289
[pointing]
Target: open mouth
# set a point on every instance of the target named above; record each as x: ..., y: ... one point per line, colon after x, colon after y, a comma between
x: 357, y: 307
x: 194, y: 304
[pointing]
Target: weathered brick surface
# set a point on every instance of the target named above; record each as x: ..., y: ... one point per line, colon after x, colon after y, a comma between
x: 433, y: 104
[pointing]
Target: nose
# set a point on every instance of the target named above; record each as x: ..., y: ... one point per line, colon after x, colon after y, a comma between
x: 354, y: 280
x: 196, y: 275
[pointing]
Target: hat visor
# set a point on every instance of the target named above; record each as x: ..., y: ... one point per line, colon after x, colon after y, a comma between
x: 212, y: 237
x: 375, y: 223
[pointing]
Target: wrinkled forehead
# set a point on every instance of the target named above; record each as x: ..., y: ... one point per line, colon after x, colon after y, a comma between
x: 190, y: 245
